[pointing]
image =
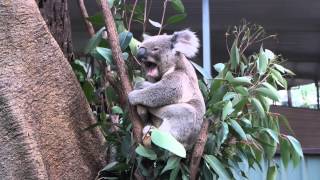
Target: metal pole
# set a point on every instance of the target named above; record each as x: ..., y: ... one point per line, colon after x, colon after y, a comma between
x: 206, y: 36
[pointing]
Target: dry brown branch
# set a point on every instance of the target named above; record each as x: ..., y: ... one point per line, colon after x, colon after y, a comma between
x: 120, y: 63
x: 132, y: 13
x: 85, y: 16
x: 163, y: 15
x: 198, y: 149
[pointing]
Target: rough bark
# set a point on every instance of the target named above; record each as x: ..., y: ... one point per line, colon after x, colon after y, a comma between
x: 42, y: 109
x: 198, y: 150
x: 120, y: 63
x: 56, y: 16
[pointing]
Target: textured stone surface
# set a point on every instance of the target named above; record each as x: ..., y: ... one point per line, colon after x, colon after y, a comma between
x: 42, y: 109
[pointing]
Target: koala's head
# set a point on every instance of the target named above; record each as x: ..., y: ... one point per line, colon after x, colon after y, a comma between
x: 161, y: 53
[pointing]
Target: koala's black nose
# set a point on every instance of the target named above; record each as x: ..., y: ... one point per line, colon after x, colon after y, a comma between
x: 142, y: 53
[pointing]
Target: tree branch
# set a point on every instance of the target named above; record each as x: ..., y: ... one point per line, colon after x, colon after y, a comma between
x: 198, y: 149
x: 120, y: 63
x: 85, y: 16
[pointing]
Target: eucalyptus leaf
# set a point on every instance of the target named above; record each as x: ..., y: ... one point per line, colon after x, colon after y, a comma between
x: 176, y: 18
x: 217, y: 166
x: 106, y: 54
x: 116, y: 110
x: 296, y: 145
x: 155, y: 24
x: 172, y: 163
x: 262, y: 62
x: 257, y: 105
x: 168, y: 142
x: 227, y: 110
x: 234, y: 55
x: 235, y: 125
x: 278, y: 78
x: 174, y: 173
x: 94, y: 41
x: 202, y: 71
x: 285, y: 151
x: 272, y: 134
x: 268, y: 93
x: 242, y: 90
x: 146, y: 152
x: 219, y: 67
x: 177, y: 5
x: 124, y: 39
x: 272, y: 173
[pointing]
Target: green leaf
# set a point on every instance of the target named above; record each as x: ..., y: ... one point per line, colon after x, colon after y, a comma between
x: 278, y: 78
x: 269, y: 54
x: 227, y: 110
x: 283, y: 69
x: 245, y: 80
x: 268, y: 93
x: 166, y: 141
x: 219, y: 67
x: 296, y: 145
x: 133, y: 45
x: 110, y: 166
x: 88, y: 90
x: 217, y: 166
x: 97, y: 19
x: 204, y: 89
x: 262, y: 62
x: 272, y: 134
x: 172, y: 163
x: 223, y: 133
x: 155, y: 24
x: 285, y: 151
x: 202, y: 71
x: 106, y: 54
x: 257, y: 105
x: 235, y: 55
x: 125, y: 56
x: 176, y: 18
x: 146, y: 152
x: 242, y: 90
x: 229, y: 96
x: 124, y: 39
x: 94, y: 41
x: 234, y: 124
x: 174, y: 173
x: 177, y: 5
x: 117, y: 110
x: 272, y: 173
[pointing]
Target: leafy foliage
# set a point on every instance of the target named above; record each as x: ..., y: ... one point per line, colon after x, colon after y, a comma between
x: 238, y: 99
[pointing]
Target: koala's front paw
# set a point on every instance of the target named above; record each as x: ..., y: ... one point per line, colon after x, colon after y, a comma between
x: 142, y: 84
x: 132, y: 98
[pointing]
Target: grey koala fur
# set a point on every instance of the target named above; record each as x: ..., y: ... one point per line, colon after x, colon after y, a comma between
x: 171, y: 99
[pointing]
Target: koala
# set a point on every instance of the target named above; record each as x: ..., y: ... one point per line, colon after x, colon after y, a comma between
x: 170, y: 99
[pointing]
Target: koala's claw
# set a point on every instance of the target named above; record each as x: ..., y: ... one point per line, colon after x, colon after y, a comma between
x: 146, y: 138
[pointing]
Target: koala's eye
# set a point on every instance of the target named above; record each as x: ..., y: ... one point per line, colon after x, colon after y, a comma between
x: 155, y: 49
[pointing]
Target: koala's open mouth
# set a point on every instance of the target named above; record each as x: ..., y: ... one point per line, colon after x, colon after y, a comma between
x: 151, y: 69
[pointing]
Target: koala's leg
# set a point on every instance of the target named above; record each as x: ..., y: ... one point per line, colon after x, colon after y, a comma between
x: 180, y: 120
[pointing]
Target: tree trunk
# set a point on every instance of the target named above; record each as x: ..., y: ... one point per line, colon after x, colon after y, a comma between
x: 56, y: 16
x: 42, y: 109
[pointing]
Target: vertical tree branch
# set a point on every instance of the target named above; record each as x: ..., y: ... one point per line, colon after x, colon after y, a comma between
x: 163, y: 15
x: 85, y: 16
x: 120, y: 63
x: 131, y: 16
x: 198, y: 149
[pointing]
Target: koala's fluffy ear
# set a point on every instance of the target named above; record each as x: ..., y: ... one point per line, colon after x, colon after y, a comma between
x: 185, y: 42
